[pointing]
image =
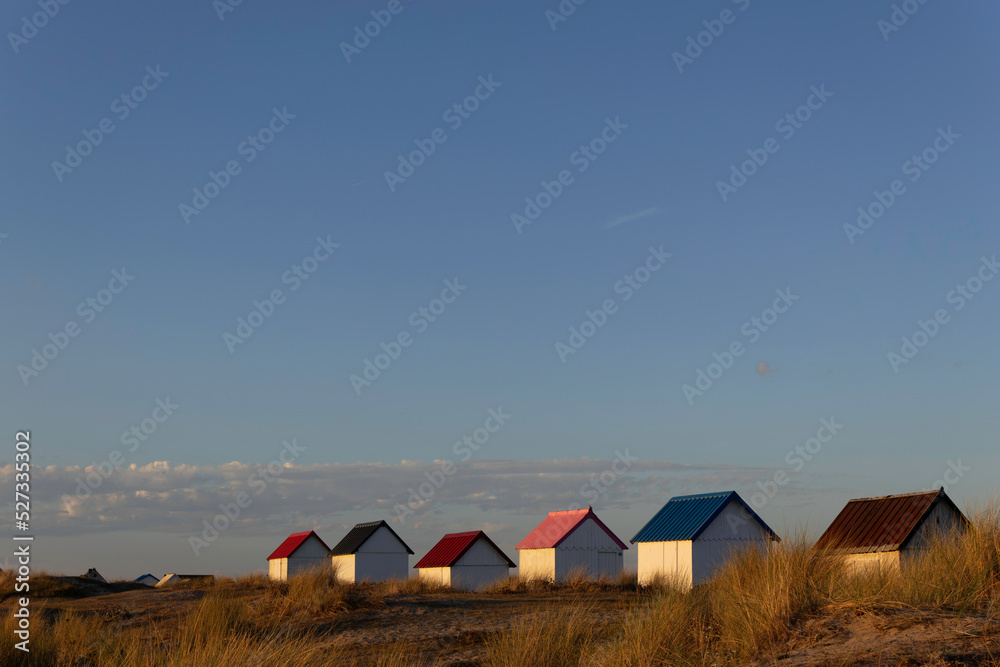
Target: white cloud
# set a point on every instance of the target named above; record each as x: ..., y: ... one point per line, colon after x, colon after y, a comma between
x: 177, y: 498
x: 621, y: 220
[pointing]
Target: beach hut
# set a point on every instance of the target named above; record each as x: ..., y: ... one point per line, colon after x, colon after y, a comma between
x: 147, y: 579
x: 300, y: 552
x: 468, y: 561
x: 692, y: 535
x: 570, y: 542
x: 371, y: 552
x: 887, y: 531
x: 92, y: 573
x: 172, y: 579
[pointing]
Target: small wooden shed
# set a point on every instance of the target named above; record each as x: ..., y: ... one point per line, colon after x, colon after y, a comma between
x: 469, y: 561
x: 888, y: 531
x: 692, y: 535
x: 371, y: 552
x: 570, y: 542
x: 300, y: 552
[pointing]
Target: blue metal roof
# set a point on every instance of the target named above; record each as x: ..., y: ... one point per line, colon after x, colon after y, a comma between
x: 685, y: 517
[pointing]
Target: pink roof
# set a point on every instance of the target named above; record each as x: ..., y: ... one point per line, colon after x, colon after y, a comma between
x: 557, y: 526
x: 451, y: 547
x: 293, y: 542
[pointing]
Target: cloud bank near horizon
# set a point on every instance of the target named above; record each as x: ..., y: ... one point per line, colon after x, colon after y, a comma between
x: 163, y: 497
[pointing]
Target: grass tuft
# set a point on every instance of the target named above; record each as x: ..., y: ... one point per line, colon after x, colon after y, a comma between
x: 560, y: 638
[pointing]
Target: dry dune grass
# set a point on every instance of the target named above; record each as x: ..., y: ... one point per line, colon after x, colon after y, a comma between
x: 409, y: 586
x: 44, y: 584
x: 749, y: 611
x: 577, y: 580
x: 317, y: 592
x: 226, y: 627
x: 558, y: 638
x: 754, y: 600
x: 670, y: 629
x: 749, y: 608
x: 222, y: 629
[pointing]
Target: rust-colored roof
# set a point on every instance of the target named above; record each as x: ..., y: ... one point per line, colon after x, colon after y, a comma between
x: 557, y: 526
x: 886, y: 523
x: 451, y: 547
x: 293, y: 542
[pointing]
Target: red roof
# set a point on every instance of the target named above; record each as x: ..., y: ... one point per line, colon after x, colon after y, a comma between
x: 452, y: 546
x: 557, y: 526
x: 868, y: 525
x: 293, y: 542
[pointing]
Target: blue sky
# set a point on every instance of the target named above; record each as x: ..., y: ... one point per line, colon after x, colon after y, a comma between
x: 323, y: 176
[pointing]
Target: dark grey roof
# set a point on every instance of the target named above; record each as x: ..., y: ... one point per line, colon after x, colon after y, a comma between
x: 359, y: 535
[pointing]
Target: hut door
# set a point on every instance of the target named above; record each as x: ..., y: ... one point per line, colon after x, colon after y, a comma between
x: 607, y: 562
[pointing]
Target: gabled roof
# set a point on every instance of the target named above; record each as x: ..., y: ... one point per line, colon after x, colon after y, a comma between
x: 173, y: 578
x: 686, y: 517
x: 143, y: 576
x: 293, y: 542
x: 92, y: 573
x: 359, y: 535
x: 557, y: 526
x: 885, y: 523
x: 452, y: 546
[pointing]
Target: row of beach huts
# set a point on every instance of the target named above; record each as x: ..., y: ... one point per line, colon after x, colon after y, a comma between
x: 151, y: 580
x: 684, y: 542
